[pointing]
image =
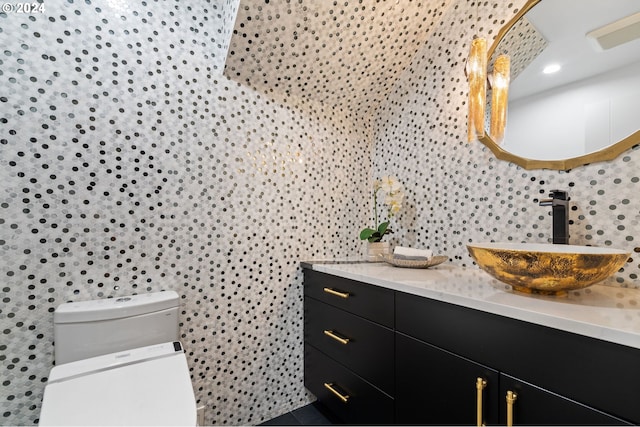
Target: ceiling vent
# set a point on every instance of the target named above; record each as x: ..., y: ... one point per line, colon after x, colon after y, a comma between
x: 617, y: 33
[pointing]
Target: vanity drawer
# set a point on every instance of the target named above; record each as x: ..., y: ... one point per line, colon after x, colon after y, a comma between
x: 369, y: 301
x: 361, y: 345
x: 365, y: 404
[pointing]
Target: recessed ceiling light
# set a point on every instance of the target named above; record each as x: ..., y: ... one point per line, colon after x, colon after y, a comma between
x: 551, y: 68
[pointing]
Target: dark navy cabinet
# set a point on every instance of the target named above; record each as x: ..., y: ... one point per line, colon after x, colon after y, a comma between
x: 349, y: 348
x: 537, y: 406
x: 594, y: 381
x: 438, y: 387
x: 413, y: 360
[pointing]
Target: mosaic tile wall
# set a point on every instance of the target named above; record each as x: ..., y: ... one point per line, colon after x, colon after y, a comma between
x: 130, y: 163
x: 459, y: 193
x: 523, y: 43
x: 344, y: 54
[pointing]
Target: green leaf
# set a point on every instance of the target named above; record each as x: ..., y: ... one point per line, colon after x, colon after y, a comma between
x: 382, y: 228
x: 367, y: 233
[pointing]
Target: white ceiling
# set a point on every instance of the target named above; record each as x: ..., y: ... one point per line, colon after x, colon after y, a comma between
x: 565, y: 23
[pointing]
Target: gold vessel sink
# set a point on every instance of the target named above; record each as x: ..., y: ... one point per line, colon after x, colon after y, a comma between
x: 545, y: 268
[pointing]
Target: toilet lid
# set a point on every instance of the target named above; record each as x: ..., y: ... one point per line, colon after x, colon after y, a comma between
x: 144, y: 386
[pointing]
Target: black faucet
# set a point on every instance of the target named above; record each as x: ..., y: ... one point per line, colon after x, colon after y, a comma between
x: 559, y: 203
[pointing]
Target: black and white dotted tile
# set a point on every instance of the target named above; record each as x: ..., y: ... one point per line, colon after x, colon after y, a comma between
x: 343, y: 54
x: 130, y: 164
x: 523, y: 43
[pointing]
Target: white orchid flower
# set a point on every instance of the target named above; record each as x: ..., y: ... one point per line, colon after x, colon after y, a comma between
x: 394, y: 207
x: 393, y: 197
x: 394, y: 201
x: 390, y: 184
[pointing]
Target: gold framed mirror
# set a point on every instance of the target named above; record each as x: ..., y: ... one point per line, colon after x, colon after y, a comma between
x: 543, y: 29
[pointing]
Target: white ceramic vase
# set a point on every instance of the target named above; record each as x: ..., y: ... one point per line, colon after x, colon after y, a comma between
x: 376, y: 249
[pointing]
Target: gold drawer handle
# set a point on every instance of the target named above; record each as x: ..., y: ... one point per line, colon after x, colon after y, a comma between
x: 511, y: 398
x: 480, y: 386
x: 333, y: 335
x: 343, y: 397
x: 337, y: 293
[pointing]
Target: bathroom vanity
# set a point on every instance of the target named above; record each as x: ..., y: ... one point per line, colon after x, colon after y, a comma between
x: 453, y: 346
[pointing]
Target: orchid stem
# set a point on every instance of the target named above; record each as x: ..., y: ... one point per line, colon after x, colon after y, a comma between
x: 375, y: 208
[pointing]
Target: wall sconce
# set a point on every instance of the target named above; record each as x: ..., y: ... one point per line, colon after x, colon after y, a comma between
x: 476, y: 70
x: 499, y: 96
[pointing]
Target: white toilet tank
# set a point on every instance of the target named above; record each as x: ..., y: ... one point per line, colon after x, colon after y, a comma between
x: 94, y: 328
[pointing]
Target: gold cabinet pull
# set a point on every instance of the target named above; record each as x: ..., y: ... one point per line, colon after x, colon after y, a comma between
x: 480, y: 386
x: 333, y: 335
x: 330, y: 387
x: 336, y: 293
x: 511, y: 398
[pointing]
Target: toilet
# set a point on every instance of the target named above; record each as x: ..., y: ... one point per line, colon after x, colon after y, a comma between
x: 119, y: 362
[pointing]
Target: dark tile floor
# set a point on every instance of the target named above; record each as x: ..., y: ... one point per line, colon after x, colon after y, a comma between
x: 309, y: 415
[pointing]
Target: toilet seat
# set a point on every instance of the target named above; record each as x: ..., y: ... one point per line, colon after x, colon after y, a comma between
x: 143, y: 386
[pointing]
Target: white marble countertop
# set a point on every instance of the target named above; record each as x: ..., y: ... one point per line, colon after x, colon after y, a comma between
x: 609, y: 313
